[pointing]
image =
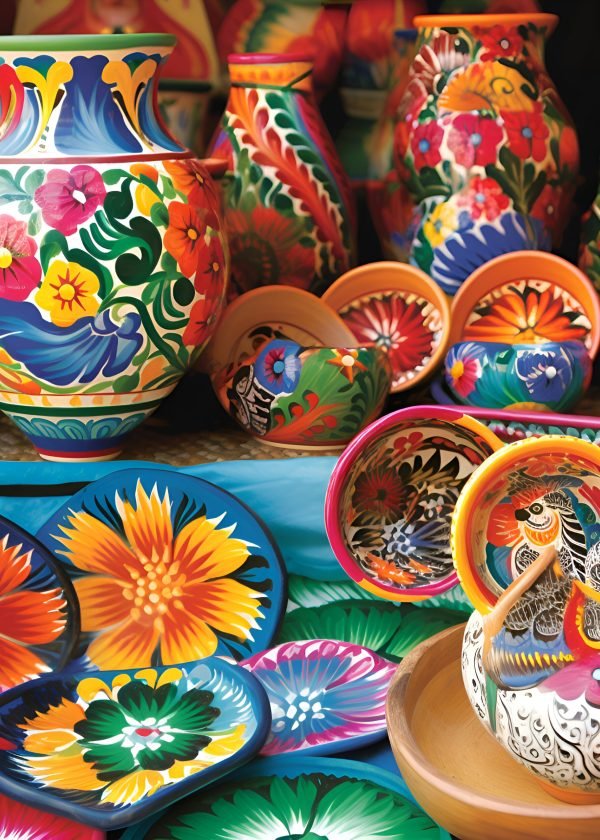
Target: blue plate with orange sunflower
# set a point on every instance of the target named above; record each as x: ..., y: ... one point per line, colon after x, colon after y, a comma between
x: 109, y: 748
x: 167, y: 568
x: 39, y: 616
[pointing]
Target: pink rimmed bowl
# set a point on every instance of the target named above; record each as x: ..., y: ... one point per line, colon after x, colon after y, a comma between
x: 391, y: 496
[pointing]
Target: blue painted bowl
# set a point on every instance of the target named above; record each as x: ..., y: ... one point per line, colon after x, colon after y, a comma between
x: 544, y: 377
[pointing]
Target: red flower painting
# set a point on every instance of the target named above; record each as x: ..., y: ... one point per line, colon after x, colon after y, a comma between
x: 474, y: 140
x: 69, y: 198
x: 20, y: 272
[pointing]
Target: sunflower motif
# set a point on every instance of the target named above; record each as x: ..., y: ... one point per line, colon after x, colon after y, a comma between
x: 154, y: 585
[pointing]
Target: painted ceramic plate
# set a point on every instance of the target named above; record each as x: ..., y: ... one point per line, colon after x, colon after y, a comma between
x: 300, y: 798
x: 325, y: 696
x: 391, y: 495
x: 398, y: 307
x: 391, y: 630
x: 530, y: 495
x: 527, y: 297
x: 39, y: 617
x: 20, y: 822
x: 167, y: 568
x: 109, y: 748
x: 269, y: 312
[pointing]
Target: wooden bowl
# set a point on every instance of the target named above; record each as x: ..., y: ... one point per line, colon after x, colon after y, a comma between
x: 456, y: 770
x: 527, y: 297
x: 398, y: 307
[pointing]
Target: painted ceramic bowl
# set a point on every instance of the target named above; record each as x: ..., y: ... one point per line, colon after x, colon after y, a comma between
x: 109, y: 748
x: 391, y: 495
x: 527, y: 297
x: 397, y: 307
x: 526, y: 545
x: 542, y: 377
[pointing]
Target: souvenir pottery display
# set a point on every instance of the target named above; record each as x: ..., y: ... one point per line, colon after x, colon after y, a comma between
x: 456, y: 770
x: 288, y: 27
x: 167, y: 568
x: 589, y: 251
x: 525, y: 542
x: 17, y: 820
x: 326, y: 696
x: 543, y: 377
x: 189, y: 74
x: 293, y: 796
x: 483, y: 143
x: 272, y: 373
x: 289, y: 215
x: 397, y: 307
x: 39, y: 614
x: 112, y: 259
x: 109, y: 748
x: 391, y: 495
x: 527, y: 297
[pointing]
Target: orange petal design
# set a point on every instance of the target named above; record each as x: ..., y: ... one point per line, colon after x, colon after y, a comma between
x: 63, y: 772
x: 33, y: 618
x: 206, y: 551
x: 186, y: 637
x: 133, y: 787
x: 486, y: 86
x: 47, y: 743
x: 147, y: 526
x: 63, y: 716
x: 14, y: 567
x: 102, y: 602
x: 227, y: 605
x: 18, y: 664
x: 94, y: 547
x: 130, y: 645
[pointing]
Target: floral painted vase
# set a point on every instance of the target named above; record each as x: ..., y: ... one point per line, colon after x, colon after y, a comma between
x: 483, y: 144
x: 113, y: 264
x: 589, y: 251
x: 288, y: 207
x: 288, y: 26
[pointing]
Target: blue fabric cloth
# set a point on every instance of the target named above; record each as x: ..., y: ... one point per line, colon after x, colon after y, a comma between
x: 288, y: 494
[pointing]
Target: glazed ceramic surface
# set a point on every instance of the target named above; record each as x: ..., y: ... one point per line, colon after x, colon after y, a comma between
x: 167, y: 568
x: 20, y: 822
x: 112, y: 260
x: 305, y: 396
x: 325, y: 696
x: 287, y: 27
x: 589, y: 251
x: 111, y: 747
x: 288, y: 216
x: 39, y: 616
x: 390, y: 630
x: 527, y: 298
x: 484, y: 144
x: 391, y: 497
x: 543, y: 377
x: 299, y: 797
x: 398, y: 308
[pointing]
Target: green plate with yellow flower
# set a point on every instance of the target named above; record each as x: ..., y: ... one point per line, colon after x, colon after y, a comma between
x: 109, y: 748
x: 167, y: 568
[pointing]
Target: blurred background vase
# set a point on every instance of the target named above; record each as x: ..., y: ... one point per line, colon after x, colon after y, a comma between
x: 113, y: 262
x: 288, y: 206
x: 312, y: 27
x: 589, y: 251
x: 189, y: 75
x: 484, y: 144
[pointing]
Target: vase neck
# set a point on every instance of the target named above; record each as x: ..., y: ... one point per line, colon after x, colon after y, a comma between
x: 273, y: 72
x: 96, y: 103
x: 488, y: 41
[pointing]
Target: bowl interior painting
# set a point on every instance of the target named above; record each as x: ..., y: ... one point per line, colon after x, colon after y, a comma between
x: 531, y: 495
x: 396, y: 504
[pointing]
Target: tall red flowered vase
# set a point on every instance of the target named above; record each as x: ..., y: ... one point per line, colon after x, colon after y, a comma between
x: 589, y: 250
x: 484, y: 143
x: 113, y: 261
x: 288, y: 206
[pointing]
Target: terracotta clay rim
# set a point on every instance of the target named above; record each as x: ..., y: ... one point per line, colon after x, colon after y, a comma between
x: 525, y: 265
x: 485, y: 21
x: 388, y: 276
x: 500, y: 463
x: 337, y: 483
x: 270, y: 58
x: 413, y: 755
